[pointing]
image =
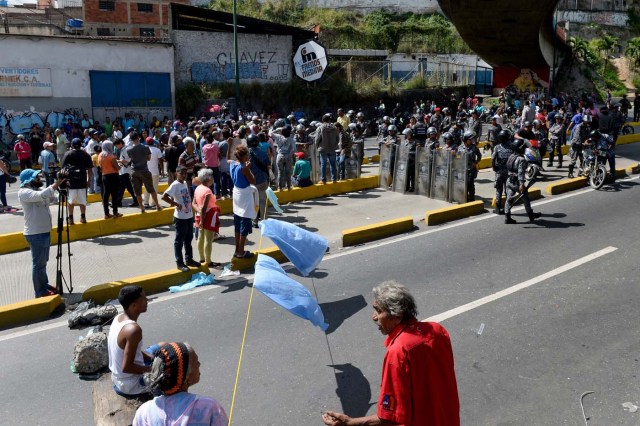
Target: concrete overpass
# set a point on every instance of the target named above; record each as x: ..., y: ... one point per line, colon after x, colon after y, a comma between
x: 510, y: 35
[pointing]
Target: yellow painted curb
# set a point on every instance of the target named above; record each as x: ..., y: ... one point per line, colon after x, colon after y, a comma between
x: 633, y: 169
x: 534, y: 194
x: 13, y: 242
x: 375, y: 158
x: 566, y: 185
x: 365, y: 160
x: 447, y: 214
x: 620, y: 173
x: 151, y: 283
x: 97, y: 198
x: 28, y: 311
x: 248, y: 263
x: 376, y: 231
x: 627, y: 139
x: 485, y: 163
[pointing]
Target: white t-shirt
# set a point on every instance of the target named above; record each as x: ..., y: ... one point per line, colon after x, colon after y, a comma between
x: 154, y: 163
x: 180, y: 193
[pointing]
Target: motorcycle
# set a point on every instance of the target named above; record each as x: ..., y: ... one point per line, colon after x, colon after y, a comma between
x: 594, y: 167
x: 534, y: 158
x: 627, y: 129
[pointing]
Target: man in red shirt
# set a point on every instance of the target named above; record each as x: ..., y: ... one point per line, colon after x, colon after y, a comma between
x: 418, y: 379
x: 23, y: 151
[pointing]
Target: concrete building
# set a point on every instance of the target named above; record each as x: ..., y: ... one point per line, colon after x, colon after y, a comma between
x: 602, y: 12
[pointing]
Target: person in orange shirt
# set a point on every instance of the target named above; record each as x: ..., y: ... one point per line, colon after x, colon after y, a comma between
x: 207, y: 217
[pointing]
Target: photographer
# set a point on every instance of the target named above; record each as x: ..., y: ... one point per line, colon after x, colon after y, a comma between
x: 77, y: 167
x: 37, y: 225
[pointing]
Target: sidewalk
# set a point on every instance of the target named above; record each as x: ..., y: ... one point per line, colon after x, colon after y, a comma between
x: 120, y: 256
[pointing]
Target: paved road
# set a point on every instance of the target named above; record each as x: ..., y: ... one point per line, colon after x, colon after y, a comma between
x: 541, y: 347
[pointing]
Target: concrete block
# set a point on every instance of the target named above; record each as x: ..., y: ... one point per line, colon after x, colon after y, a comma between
x: 620, y: 173
x: 448, y: 214
x: 248, y: 263
x: 28, y: 311
x: 376, y: 231
x: 633, y: 169
x: 566, y: 185
x: 485, y: 163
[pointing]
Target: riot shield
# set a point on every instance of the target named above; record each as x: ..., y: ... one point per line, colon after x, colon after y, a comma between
x: 458, y: 179
x: 314, y: 158
x: 352, y: 167
x: 440, y: 176
x: 401, y: 169
x: 424, y: 163
x: 387, y: 156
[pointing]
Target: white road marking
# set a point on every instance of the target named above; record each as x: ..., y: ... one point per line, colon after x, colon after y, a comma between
x: 336, y: 255
x: 523, y: 285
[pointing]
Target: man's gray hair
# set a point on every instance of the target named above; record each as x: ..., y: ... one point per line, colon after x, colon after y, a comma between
x: 205, y: 175
x: 396, y: 299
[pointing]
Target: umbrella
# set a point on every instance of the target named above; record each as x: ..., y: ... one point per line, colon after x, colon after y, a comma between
x: 214, y: 108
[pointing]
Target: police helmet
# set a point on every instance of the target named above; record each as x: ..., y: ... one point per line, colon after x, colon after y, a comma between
x: 392, y: 128
x: 286, y: 131
x: 527, y: 124
x: 385, y: 118
x: 299, y: 128
x: 586, y: 118
x: 459, y: 123
x: 407, y: 131
x: 447, y: 136
x: 445, y: 110
x: 313, y: 124
x: 360, y: 114
x: 559, y: 116
x: 537, y: 122
x: 503, y: 136
x: 252, y: 141
x: 350, y: 113
x: 463, y: 114
x: 595, y: 134
x: 432, y: 131
x: 302, y: 121
x: 352, y: 126
x: 279, y: 123
x: 468, y: 135
x: 291, y: 117
x: 518, y: 145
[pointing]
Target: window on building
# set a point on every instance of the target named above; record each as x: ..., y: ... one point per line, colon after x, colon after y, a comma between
x: 107, y: 5
x: 145, y: 7
x: 104, y: 32
x: 147, y: 32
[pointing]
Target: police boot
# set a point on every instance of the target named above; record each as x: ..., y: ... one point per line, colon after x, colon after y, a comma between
x: 508, y: 220
x: 533, y: 216
x: 571, y: 166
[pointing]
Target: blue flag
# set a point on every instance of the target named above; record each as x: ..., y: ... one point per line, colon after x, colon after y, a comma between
x: 272, y: 281
x: 303, y: 248
x: 273, y: 199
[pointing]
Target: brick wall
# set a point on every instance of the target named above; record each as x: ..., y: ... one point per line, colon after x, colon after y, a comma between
x: 145, y: 18
x: 92, y: 13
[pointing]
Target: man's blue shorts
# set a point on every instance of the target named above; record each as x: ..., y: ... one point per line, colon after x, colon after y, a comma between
x: 242, y: 225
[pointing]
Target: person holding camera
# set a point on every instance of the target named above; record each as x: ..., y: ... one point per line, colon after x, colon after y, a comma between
x: 37, y: 225
x: 77, y: 168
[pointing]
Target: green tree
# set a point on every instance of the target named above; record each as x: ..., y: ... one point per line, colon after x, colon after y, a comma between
x: 632, y: 51
x: 606, y: 45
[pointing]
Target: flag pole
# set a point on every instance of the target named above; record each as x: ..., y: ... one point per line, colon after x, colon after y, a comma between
x: 246, y: 326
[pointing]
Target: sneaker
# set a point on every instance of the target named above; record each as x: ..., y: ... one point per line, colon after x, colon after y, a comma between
x: 71, y: 220
x: 108, y: 216
x: 83, y: 219
x: 215, y: 265
x: 182, y: 267
x: 117, y: 215
x: 193, y: 263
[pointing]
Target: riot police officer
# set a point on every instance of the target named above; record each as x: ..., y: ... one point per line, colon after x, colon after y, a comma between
x: 420, y: 130
x: 501, y: 153
x: 580, y: 136
x: 449, y: 142
x: 557, y: 133
x: 473, y: 158
x: 432, y: 143
x: 516, y: 182
x: 392, y: 141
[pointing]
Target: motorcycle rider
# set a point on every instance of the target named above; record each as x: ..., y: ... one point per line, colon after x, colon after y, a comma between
x: 605, y: 142
x: 501, y: 153
x: 580, y: 136
x: 540, y: 134
x: 473, y: 158
x: 526, y: 132
x: 557, y: 134
x: 516, y: 182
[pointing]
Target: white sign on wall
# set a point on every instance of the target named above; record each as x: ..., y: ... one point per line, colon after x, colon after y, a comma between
x: 23, y: 82
x: 310, y: 61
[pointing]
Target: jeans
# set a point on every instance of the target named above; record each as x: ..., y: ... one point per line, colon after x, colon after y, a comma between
x: 285, y: 167
x: 216, y: 180
x: 226, y: 184
x: 39, y: 244
x: 184, y: 235
x: 331, y: 157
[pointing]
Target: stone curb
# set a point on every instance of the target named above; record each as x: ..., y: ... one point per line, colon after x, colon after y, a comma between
x: 376, y: 231
x: 448, y: 214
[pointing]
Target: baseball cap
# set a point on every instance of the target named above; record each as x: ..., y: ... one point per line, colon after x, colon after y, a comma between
x: 76, y: 143
x: 27, y: 176
x: 149, y: 140
x: 299, y: 155
x: 47, y: 144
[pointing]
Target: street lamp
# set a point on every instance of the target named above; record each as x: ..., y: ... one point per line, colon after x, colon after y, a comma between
x: 235, y: 48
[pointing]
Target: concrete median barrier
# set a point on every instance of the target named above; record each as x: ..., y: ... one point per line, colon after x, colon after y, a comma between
x: 29, y: 311
x: 97, y: 198
x: 448, y: 214
x: 633, y: 169
x: 151, y: 283
x: 627, y: 139
x: 247, y: 263
x: 566, y: 185
x: 14, y: 242
x: 376, y: 231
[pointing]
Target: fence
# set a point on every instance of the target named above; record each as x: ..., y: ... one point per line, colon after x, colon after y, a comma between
x: 418, y: 73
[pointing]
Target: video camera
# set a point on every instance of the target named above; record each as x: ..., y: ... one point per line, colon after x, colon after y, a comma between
x: 67, y: 173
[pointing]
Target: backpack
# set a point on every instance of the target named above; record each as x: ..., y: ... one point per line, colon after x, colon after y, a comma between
x: 512, y: 163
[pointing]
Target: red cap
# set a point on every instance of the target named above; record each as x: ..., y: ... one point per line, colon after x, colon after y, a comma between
x: 149, y: 140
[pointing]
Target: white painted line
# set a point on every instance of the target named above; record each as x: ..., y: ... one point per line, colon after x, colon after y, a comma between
x: 526, y: 284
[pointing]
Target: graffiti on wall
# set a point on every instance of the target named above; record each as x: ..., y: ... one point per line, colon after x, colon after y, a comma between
x: 13, y: 123
x: 257, y: 65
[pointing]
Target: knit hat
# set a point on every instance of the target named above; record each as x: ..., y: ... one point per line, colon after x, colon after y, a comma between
x: 170, y: 368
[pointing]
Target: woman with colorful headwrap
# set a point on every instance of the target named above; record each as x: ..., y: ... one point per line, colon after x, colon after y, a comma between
x: 175, y: 368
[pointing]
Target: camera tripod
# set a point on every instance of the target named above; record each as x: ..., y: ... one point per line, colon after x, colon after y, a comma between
x: 63, y: 213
